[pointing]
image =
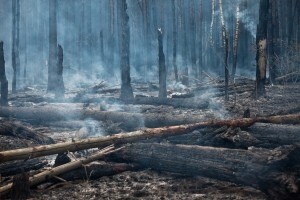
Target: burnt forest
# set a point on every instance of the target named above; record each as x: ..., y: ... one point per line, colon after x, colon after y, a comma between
x: 150, y: 99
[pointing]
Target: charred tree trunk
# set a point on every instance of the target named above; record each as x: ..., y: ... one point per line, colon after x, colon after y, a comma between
x: 225, y: 46
x: 162, y: 67
x: 52, y: 77
x: 4, y: 82
x: 200, y: 45
x: 261, y: 44
x: 266, y: 170
x: 126, y: 89
x: 236, y: 42
x: 273, y: 40
x: 102, y: 47
x: 60, y: 87
x: 193, y: 39
x: 185, y: 77
x: 131, y: 137
x: 13, y: 53
x: 174, y: 41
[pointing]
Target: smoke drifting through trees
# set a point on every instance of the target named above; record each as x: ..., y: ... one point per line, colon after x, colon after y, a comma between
x: 91, y: 39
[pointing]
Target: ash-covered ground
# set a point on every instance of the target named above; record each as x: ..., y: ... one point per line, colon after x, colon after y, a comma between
x: 144, y: 184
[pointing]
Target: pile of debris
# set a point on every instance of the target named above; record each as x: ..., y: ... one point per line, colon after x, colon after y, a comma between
x: 261, y: 152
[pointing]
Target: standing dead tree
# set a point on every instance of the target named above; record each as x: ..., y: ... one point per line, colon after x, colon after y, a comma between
x: 174, y: 40
x: 162, y: 67
x: 236, y: 41
x: 15, y: 42
x: 261, y: 44
x: 273, y: 39
x: 126, y: 89
x: 60, y: 88
x: 52, y: 46
x: 4, y: 82
x: 225, y: 46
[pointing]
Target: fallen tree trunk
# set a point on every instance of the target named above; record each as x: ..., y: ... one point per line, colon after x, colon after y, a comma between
x: 16, y: 129
x: 48, y: 174
x: 16, y: 167
x: 291, y: 77
x: 259, y: 168
x: 129, y: 121
x: 274, y: 135
x: 176, y: 103
x: 137, y: 136
x: 97, y: 169
x: 258, y: 135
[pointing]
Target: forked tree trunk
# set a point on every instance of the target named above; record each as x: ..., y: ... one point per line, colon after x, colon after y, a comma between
x: 126, y: 89
x: 261, y: 45
x: 162, y: 67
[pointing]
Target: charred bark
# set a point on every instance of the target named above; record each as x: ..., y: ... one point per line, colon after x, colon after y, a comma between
x: 174, y: 41
x: 138, y: 136
x: 162, y: 67
x: 52, y: 65
x: 225, y: 46
x: 236, y: 42
x: 4, y: 82
x: 48, y: 174
x: 266, y: 170
x: 126, y: 89
x: 60, y: 87
x: 261, y: 44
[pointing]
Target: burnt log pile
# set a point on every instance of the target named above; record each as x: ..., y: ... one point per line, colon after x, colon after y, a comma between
x: 261, y: 152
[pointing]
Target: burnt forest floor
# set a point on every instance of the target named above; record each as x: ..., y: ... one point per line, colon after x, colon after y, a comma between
x: 147, y: 184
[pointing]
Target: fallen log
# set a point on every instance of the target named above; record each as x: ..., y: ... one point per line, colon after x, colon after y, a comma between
x: 176, y: 103
x: 291, y: 77
x: 259, y: 168
x: 137, y: 136
x: 258, y: 135
x: 130, y: 121
x: 48, y: 174
x: 16, y: 167
x: 16, y: 129
x: 97, y: 169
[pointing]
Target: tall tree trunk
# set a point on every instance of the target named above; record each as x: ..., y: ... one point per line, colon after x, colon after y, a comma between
x: 13, y: 51
x: 126, y: 89
x: 185, y: 78
x: 236, y: 41
x: 102, y: 47
x: 52, y: 67
x: 193, y: 38
x: 112, y: 42
x: 225, y: 46
x: 162, y: 67
x: 4, y: 83
x: 273, y: 40
x: 200, y: 38
x: 60, y: 88
x: 89, y: 38
x: 174, y: 40
x: 261, y: 43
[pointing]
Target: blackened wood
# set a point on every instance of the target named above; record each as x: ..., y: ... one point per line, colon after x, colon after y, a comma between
x: 4, y: 82
x: 266, y: 170
x: 162, y: 67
